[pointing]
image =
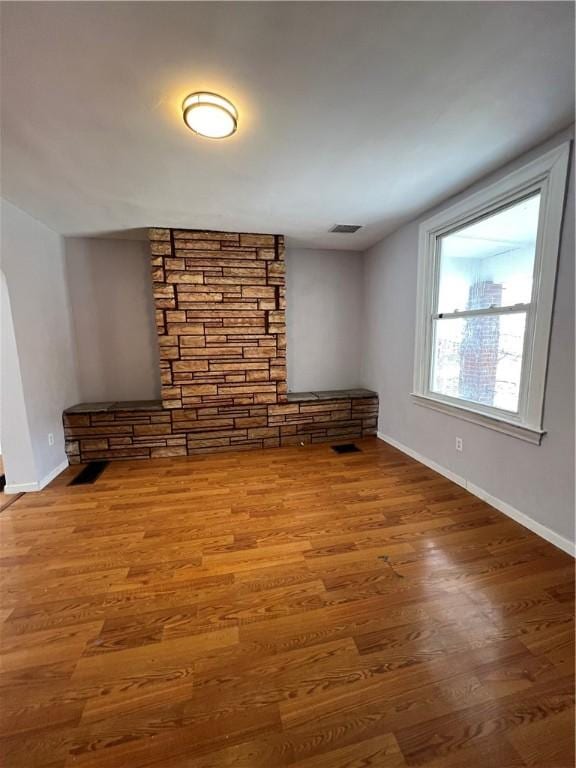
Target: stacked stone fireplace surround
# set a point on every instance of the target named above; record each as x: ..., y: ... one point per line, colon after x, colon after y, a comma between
x: 220, y: 301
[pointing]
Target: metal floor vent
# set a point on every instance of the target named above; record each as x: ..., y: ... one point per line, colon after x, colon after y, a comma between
x: 346, y: 448
x: 346, y: 229
x: 90, y: 473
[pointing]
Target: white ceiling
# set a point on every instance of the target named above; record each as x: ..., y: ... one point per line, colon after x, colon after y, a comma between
x: 354, y: 113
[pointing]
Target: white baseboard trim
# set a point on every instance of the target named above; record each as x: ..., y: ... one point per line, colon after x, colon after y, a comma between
x: 502, y: 506
x: 11, y: 488
x: 54, y: 473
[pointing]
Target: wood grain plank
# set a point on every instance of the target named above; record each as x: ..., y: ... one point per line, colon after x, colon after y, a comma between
x: 280, y: 608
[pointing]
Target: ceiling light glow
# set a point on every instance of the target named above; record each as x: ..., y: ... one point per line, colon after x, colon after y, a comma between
x: 210, y: 115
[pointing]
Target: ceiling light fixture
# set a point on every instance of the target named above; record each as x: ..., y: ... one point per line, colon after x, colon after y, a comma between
x: 210, y: 115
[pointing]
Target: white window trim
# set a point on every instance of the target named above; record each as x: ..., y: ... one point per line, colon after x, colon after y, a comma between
x: 548, y: 175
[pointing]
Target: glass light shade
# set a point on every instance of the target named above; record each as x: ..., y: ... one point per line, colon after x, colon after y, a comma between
x: 210, y: 115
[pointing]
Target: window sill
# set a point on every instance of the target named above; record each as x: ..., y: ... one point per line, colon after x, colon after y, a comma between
x: 513, y: 428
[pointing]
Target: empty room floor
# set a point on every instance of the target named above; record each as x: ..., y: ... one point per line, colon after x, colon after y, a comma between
x: 284, y: 607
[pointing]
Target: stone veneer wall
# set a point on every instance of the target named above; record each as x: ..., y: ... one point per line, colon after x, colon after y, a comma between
x: 220, y: 299
x: 220, y: 316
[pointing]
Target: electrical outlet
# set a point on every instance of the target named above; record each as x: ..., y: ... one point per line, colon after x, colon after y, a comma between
x: 459, y: 445
x: 50, y: 438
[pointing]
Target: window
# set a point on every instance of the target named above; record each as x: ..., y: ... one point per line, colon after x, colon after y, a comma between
x: 487, y: 268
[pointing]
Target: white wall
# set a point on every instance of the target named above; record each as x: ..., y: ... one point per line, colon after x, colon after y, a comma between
x: 19, y: 463
x: 324, y: 319
x: 110, y: 290
x: 538, y: 481
x: 113, y: 318
x: 33, y: 264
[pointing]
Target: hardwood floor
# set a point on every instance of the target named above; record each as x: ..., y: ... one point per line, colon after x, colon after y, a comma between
x: 287, y: 607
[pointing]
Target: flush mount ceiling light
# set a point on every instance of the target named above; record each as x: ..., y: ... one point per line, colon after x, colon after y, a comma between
x: 210, y: 115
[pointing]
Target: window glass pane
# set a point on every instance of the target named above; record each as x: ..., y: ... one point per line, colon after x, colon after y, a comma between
x: 491, y: 262
x: 479, y: 359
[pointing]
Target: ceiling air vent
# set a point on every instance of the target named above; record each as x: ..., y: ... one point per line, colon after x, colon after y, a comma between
x: 346, y: 229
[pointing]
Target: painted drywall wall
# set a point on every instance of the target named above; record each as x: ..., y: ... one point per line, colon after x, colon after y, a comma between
x: 538, y: 481
x: 110, y: 290
x: 113, y: 319
x: 324, y: 318
x: 33, y: 264
x: 18, y: 458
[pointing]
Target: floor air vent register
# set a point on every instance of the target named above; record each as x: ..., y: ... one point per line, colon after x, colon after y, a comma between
x: 90, y: 473
x: 346, y: 448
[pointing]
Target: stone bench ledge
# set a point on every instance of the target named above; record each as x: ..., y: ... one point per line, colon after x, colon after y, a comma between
x: 156, y: 405
x: 330, y: 394
x: 127, y: 405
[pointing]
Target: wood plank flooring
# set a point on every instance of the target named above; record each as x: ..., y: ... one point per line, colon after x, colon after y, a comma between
x: 287, y: 607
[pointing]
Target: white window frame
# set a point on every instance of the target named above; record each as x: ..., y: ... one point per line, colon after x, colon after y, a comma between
x: 546, y: 175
